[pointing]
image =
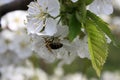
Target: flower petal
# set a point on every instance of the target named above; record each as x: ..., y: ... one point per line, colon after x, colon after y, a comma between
x: 33, y: 8
x: 53, y: 8
x: 50, y: 28
x: 101, y: 7
x: 34, y: 26
x: 43, y: 3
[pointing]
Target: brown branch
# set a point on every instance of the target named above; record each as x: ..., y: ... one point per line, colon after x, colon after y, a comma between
x: 15, y: 5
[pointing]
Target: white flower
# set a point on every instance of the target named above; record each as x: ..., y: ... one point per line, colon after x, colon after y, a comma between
x: 21, y: 45
x: 8, y: 58
x: 58, y: 74
x: 44, y: 46
x: 59, y: 71
x: 107, y: 75
x: 39, y: 20
x: 40, y: 75
x: 18, y: 41
x: 6, y: 38
x: 14, y: 20
x: 20, y: 72
x: 101, y: 7
x: 76, y: 76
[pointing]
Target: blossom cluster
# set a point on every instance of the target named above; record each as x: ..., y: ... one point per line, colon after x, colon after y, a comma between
x: 20, y: 72
x: 49, y: 29
x: 28, y: 72
x: 15, y: 45
x: 50, y: 36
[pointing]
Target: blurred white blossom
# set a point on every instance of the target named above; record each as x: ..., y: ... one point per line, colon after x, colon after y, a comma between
x: 27, y: 72
x: 14, y: 20
x: 76, y: 76
x: 111, y: 75
x: 6, y: 38
x: 8, y: 58
x: 16, y: 42
x: 115, y: 21
x: 21, y: 45
x: 14, y: 38
x: 58, y: 74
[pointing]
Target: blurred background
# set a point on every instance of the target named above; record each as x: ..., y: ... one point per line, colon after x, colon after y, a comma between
x: 17, y: 61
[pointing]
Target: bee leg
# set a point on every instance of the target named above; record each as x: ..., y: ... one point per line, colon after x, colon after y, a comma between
x: 48, y: 47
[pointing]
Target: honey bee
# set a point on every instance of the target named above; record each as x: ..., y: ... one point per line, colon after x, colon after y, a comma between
x: 53, y: 43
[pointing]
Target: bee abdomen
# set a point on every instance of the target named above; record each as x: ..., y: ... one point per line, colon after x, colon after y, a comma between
x: 55, y: 45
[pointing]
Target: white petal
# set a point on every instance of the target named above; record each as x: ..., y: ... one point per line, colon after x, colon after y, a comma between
x: 53, y: 8
x: 107, y: 8
x: 43, y: 3
x: 82, y: 47
x: 62, y: 31
x: 34, y: 26
x: 94, y: 7
x: 101, y: 7
x: 50, y: 28
x: 33, y: 8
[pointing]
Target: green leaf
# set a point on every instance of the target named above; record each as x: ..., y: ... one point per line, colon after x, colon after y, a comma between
x: 74, y: 27
x: 88, y: 2
x: 98, y: 47
x: 101, y: 25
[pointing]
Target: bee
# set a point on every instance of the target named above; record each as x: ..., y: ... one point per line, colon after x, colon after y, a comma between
x: 53, y: 43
